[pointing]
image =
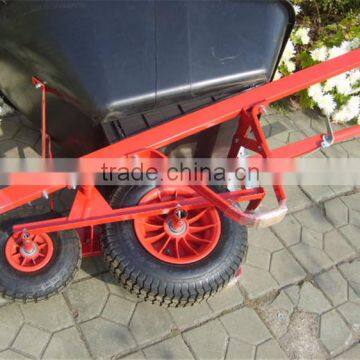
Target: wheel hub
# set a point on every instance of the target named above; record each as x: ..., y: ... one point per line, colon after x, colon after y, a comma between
x: 29, y: 253
x: 181, y: 237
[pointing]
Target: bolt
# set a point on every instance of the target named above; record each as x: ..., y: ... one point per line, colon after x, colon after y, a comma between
x: 180, y: 214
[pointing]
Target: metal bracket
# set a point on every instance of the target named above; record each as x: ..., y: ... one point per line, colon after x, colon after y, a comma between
x: 329, y: 138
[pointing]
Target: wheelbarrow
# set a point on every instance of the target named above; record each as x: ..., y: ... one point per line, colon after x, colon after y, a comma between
x: 129, y: 90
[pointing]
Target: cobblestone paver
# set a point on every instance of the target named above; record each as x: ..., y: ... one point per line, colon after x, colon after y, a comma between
x: 298, y: 297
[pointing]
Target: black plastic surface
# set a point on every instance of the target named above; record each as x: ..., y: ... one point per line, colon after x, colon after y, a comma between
x: 120, y: 58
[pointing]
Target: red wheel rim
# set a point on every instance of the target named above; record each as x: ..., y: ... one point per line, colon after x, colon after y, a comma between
x: 29, y: 255
x: 189, y: 241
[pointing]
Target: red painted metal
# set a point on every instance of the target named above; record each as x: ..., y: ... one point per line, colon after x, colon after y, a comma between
x: 102, y: 215
x: 91, y: 209
x: 215, y: 114
x: 177, y: 240
x: 29, y: 254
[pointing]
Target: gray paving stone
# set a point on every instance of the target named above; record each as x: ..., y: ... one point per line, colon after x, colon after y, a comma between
x: 285, y: 269
x: 313, y: 219
x: 88, y: 268
x: 352, y: 148
x: 351, y: 233
x: 264, y: 238
x: 246, y: 325
x: 352, y: 201
x: 66, y: 344
x: 198, y: 340
x: 296, y: 199
x: 336, y: 212
x: 190, y: 316
x: 352, y: 354
x: 355, y: 298
x: 238, y: 349
x: 228, y: 298
x: 107, y: 339
x: 318, y: 193
x: 173, y: 348
x: 354, y: 217
x: 335, y: 151
x: 337, y: 247
x: 351, y: 271
x: 312, y: 259
x: 333, y: 285
x: 11, y: 321
x: 334, y: 333
x: 116, y: 289
x: 87, y: 298
x: 293, y: 292
x: 12, y: 355
x: 289, y: 230
x: 28, y: 152
x: 312, y: 300
x: 27, y: 136
x: 3, y: 301
x: 257, y: 282
x: 118, y: 309
x: 9, y: 149
x: 341, y: 189
x: 52, y: 315
x: 31, y: 340
x: 258, y: 257
x: 283, y: 302
x: 312, y: 238
x: 150, y: 323
x: 9, y: 127
x: 270, y: 350
x: 351, y: 313
x: 135, y: 356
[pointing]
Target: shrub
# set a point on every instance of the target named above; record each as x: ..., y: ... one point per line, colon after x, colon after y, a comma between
x: 334, y: 31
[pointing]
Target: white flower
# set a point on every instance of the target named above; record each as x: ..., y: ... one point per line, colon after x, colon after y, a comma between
x: 354, y: 76
x: 340, y: 82
x: 278, y: 75
x: 290, y: 65
x: 336, y: 51
x: 355, y: 43
x: 289, y: 51
x: 315, y: 91
x: 319, y: 54
x: 349, y: 111
x: 327, y: 104
x: 353, y: 106
x: 346, y: 45
x: 297, y: 9
x: 302, y: 34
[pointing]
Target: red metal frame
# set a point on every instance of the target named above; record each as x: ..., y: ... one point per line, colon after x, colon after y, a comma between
x: 90, y: 208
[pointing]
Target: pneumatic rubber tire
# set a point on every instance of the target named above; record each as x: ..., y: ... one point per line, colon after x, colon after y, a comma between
x: 161, y: 282
x: 50, y: 280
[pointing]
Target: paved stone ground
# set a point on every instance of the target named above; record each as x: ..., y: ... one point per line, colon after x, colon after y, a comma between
x: 299, y: 296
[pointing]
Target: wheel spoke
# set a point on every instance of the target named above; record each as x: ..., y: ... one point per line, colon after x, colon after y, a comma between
x: 189, y: 246
x: 197, y: 229
x: 24, y: 261
x: 165, y: 245
x: 195, y: 238
x: 198, y: 216
x: 155, y: 238
x: 177, y: 250
x: 152, y: 227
